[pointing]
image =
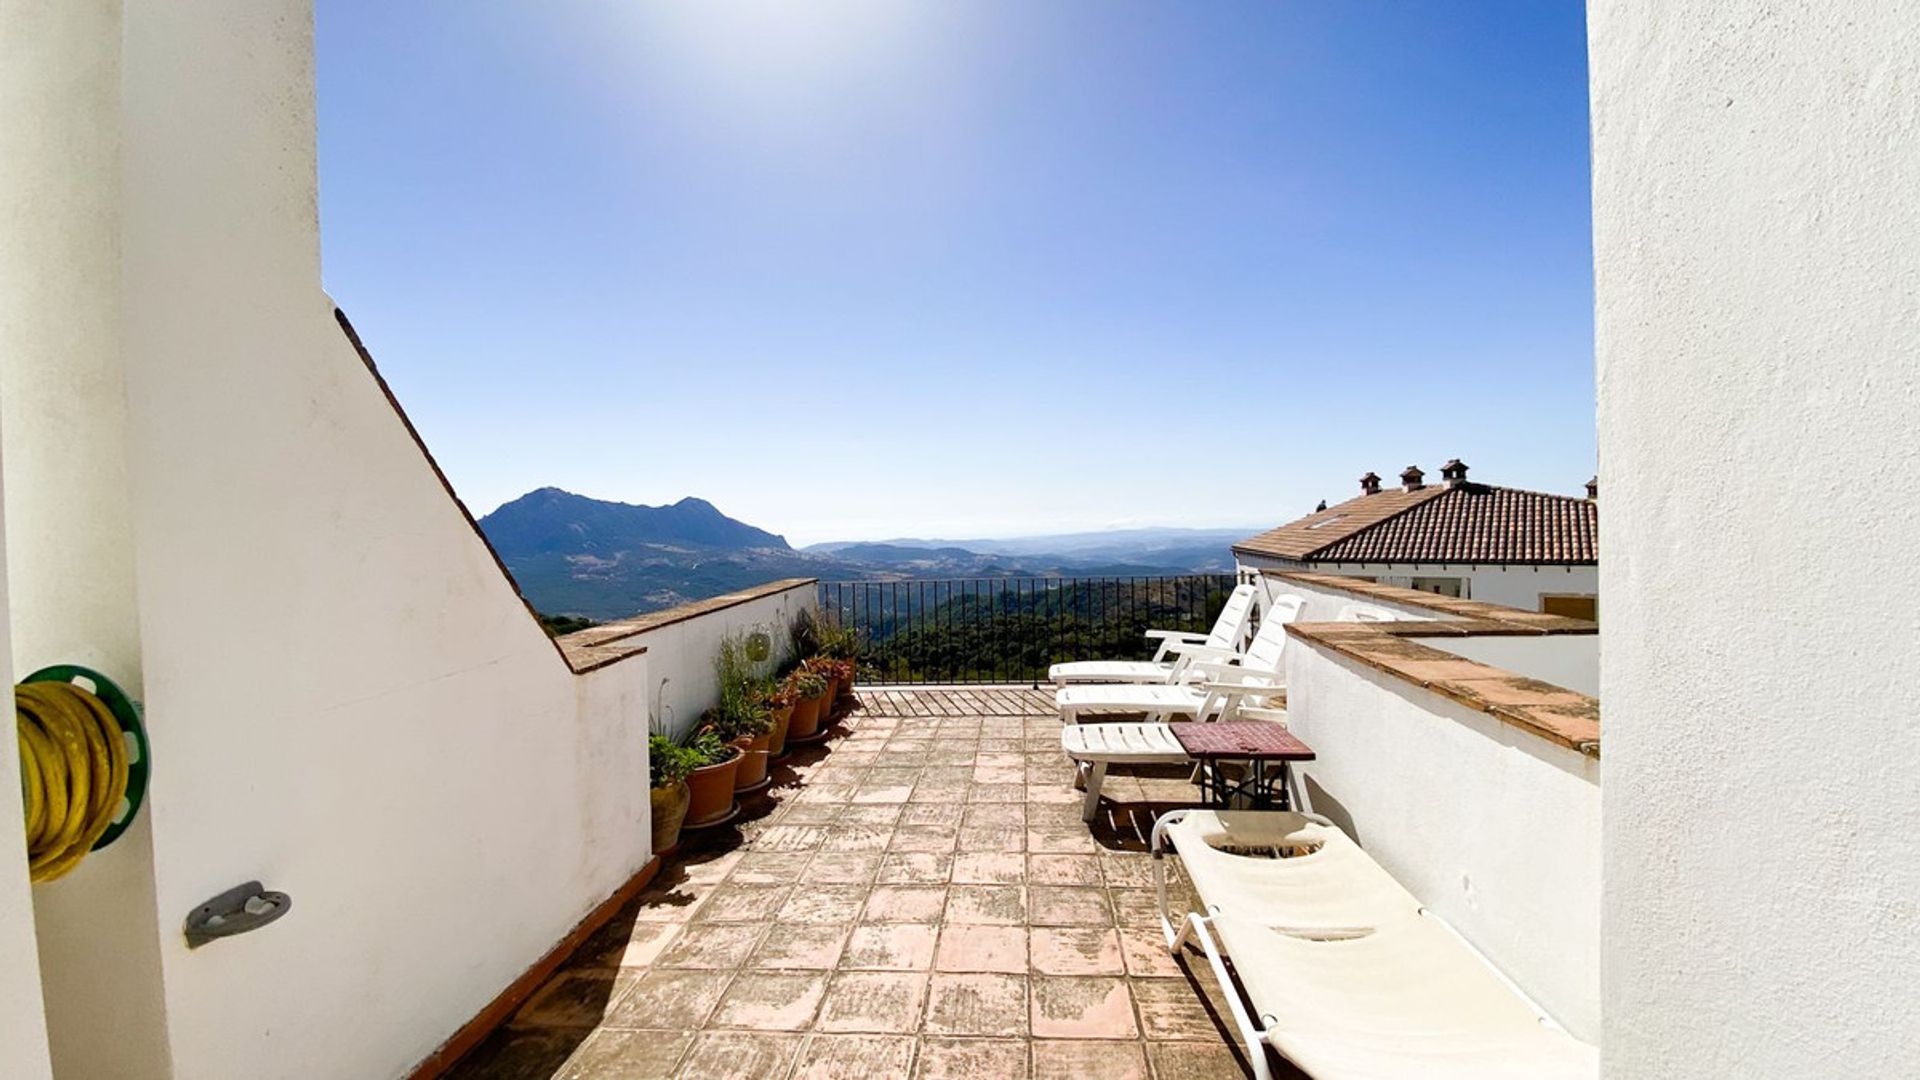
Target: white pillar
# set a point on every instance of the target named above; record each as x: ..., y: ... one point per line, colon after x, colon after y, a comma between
x: 1756, y: 254
x: 63, y: 437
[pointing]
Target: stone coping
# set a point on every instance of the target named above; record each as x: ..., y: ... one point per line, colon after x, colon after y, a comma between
x: 598, y: 646
x: 1566, y: 717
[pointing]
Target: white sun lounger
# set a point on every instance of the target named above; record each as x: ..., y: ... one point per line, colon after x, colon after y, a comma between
x: 1347, y: 975
x: 1258, y: 671
x: 1175, y: 645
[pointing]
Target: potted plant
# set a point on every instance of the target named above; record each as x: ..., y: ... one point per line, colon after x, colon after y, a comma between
x: 668, y: 765
x: 752, y: 731
x: 779, y: 704
x: 710, y: 786
x: 809, y: 690
x: 741, y: 717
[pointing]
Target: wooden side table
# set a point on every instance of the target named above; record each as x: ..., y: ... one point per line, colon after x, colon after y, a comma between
x: 1260, y: 745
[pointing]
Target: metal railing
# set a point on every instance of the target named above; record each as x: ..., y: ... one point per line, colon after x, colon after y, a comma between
x: 997, y: 630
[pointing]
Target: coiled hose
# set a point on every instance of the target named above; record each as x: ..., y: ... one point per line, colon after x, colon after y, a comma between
x: 73, y: 773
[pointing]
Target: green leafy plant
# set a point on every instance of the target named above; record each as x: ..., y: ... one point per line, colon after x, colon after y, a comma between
x: 710, y: 749
x: 742, y: 709
x: 806, y: 684
x: 669, y: 763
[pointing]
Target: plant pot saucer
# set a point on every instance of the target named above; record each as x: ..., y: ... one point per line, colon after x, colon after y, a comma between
x: 748, y: 790
x: 733, y: 811
x: 809, y: 740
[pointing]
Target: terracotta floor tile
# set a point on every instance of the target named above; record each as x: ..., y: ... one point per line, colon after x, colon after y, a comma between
x: 574, y: 999
x: 1082, y: 1008
x: 938, y: 838
x: 971, y: 1059
x: 882, y: 793
x: 996, y: 787
x: 1135, y: 907
x: 1089, y: 1061
x: 875, y: 814
x: 740, y: 1055
x: 988, y: 867
x: 1144, y: 948
x: 741, y: 902
x: 1001, y: 949
x: 915, y: 868
x: 824, y: 793
x: 669, y: 1000
x: 639, y: 944
x: 801, y: 946
x: 1069, y: 905
x: 770, y: 1001
x: 993, y: 905
x: 1195, y: 1061
x: 791, y: 838
x: 977, y: 1004
x: 1060, y: 793
x: 854, y: 1057
x: 873, y: 1001
x: 1128, y: 871
x: 939, y: 791
x: 811, y: 813
x: 608, y: 1054
x: 824, y: 904
x: 1076, y: 950
x: 1173, y: 1009
x: 771, y: 867
x: 517, y: 1054
x: 842, y: 868
x: 993, y: 838
x: 943, y: 814
x: 716, y: 946
x: 1064, y: 870
x: 906, y: 903
x: 994, y: 815
x: 676, y: 903
x: 856, y: 836
x: 890, y: 947
x: 1060, y: 841
x: 710, y: 866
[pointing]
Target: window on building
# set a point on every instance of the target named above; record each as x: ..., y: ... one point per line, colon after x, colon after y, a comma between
x: 1439, y: 586
x: 1573, y: 607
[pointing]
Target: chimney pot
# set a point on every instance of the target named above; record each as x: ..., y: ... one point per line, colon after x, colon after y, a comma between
x: 1593, y: 488
x: 1370, y: 484
x: 1413, y: 479
x: 1455, y: 473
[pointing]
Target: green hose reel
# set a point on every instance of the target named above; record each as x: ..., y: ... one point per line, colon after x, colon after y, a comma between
x: 127, y: 714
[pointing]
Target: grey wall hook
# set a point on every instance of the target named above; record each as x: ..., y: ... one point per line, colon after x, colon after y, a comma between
x: 236, y: 911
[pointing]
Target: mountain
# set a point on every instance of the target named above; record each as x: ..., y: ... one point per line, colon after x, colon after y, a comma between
x: 576, y: 556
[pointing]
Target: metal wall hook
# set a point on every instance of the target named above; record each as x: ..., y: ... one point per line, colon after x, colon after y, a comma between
x: 236, y: 911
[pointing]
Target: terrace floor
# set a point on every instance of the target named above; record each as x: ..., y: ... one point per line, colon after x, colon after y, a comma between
x: 915, y: 897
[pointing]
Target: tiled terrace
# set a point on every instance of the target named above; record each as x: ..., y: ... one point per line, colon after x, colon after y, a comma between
x: 916, y: 897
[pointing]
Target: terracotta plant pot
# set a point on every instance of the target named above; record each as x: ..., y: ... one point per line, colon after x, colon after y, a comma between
x: 710, y: 793
x: 669, y: 812
x: 846, y: 684
x: 777, y: 735
x: 806, y: 718
x: 754, y: 754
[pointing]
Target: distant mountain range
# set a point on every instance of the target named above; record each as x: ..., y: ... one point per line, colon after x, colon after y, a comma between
x: 572, y: 555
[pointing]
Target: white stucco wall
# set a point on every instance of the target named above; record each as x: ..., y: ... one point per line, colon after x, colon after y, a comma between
x: 1494, y: 828
x: 1325, y: 604
x: 1513, y: 586
x: 1757, y: 312
x: 23, y: 1022
x: 69, y: 527
x: 346, y: 698
x: 680, y: 655
x: 1569, y: 660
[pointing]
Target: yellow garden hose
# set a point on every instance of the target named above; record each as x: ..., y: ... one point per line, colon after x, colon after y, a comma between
x: 73, y: 773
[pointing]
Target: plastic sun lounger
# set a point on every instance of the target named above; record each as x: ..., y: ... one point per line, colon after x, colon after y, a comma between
x: 1347, y: 975
x: 1260, y: 665
x: 1175, y: 645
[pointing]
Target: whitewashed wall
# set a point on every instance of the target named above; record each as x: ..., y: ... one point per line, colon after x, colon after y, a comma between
x: 680, y: 655
x: 1513, y: 586
x: 1494, y: 828
x: 1757, y: 316
x: 347, y: 700
x: 23, y: 1021
x: 1569, y: 660
x: 1326, y: 604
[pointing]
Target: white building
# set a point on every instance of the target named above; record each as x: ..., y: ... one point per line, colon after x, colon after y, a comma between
x: 1525, y: 549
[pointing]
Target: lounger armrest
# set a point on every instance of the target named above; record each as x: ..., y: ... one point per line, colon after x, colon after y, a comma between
x: 1170, y: 640
x: 1234, y: 676
x: 1201, y: 652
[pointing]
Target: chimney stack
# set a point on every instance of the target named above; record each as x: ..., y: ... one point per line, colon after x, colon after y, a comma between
x: 1412, y: 479
x: 1455, y: 473
x: 1593, y: 488
x: 1370, y: 484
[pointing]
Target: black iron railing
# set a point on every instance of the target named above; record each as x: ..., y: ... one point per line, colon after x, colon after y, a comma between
x: 987, y: 630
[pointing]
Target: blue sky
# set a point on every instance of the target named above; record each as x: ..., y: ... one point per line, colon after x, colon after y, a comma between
x: 875, y: 269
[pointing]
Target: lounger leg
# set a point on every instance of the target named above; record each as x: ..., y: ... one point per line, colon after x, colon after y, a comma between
x: 1090, y: 806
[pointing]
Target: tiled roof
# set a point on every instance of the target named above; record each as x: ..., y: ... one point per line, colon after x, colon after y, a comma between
x: 1469, y: 523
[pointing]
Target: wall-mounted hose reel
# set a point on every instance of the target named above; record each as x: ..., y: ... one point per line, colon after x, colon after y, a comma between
x: 83, y: 765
